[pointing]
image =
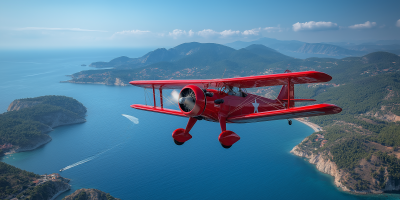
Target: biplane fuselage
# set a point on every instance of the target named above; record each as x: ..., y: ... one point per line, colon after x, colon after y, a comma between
x: 229, y: 104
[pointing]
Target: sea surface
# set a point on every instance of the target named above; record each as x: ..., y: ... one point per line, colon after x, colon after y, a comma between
x: 140, y: 161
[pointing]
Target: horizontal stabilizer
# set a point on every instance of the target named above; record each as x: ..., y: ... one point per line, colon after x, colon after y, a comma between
x: 159, y: 110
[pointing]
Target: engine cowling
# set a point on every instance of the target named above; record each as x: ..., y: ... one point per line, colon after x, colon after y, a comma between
x: 192, y: 100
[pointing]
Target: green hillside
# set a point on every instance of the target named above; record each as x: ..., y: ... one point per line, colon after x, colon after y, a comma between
x: 13, y: 180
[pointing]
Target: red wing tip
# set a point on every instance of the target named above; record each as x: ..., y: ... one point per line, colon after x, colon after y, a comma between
x: 136, y: 105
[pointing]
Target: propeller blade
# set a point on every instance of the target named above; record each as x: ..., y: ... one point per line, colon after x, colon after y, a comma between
x: 175, y: 96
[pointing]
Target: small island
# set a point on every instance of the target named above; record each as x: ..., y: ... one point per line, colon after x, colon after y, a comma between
x: 25, y: 125
x: 89, y: 194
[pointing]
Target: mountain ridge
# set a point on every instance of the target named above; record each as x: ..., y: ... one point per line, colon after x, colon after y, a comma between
x: 338, y: 50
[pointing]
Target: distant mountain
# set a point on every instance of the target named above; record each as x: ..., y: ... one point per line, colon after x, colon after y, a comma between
x: 164, y: 55
x: 304, y: 50
x: 267, y: 52
x: 326, y: 50
x: 188, y: 59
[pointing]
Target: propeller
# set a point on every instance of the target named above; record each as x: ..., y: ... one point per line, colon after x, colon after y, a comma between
x: 175, y: 96
x: 187, y: 100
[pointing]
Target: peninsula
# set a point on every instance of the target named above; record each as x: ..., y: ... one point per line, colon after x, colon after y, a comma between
x: 25, y: 125
x: 20, y: 184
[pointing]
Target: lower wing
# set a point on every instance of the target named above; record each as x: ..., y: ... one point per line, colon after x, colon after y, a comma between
x: 296, y: 112
x: 158, y: 109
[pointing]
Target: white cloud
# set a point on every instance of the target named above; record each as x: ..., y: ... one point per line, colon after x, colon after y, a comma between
x: 56, y: 29
x: 227, y: 33
x: 132, y: 32
x: 253, y: 31
x: 207, y: 33
x: 398, y: 23
x: 177, y: 33
x: 273, y: 29
x: 367, y: 24
x: 311, y: 25
x: 190, y: 33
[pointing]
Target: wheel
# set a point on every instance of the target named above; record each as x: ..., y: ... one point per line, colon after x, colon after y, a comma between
x: 290, y: 122
x: 228, y: 138
x: 177, y: 142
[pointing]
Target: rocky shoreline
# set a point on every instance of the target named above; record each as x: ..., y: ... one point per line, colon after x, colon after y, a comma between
x: 323, y: 165
x: 327, y: 166
x: 117, y: 82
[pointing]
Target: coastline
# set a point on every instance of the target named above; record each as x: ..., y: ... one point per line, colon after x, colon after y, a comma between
x: 39, y: 142
x: 60, y: 192
x: 315, y: 127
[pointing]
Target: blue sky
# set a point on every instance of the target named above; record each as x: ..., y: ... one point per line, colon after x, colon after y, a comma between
x: 70, y: 24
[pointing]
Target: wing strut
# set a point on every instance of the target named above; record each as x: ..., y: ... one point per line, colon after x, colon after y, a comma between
x: 154, y: 97
x: 288, y: 91
x: 161, y: 99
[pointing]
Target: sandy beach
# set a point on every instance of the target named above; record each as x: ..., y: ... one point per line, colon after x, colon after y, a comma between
x: 315, y: 127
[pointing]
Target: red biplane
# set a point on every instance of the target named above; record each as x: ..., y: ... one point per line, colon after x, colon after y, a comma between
x: 229, y: 103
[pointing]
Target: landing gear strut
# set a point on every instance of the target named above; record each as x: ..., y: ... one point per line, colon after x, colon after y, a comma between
x: 226, y: 138
x: 181, y: 135
x: 290, y: 122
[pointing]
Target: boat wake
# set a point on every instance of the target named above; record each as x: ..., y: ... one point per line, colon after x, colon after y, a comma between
x: 87, y: 159
x: 132, y: 118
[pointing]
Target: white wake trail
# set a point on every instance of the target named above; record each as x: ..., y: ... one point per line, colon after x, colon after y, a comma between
x: 88, y: 159
x: 132, y: 118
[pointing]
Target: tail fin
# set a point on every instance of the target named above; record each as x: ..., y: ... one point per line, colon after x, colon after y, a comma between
x: 283, y: 94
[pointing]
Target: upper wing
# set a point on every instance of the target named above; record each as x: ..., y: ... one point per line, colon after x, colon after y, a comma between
x: 241, y: 82
x: 296, y: 112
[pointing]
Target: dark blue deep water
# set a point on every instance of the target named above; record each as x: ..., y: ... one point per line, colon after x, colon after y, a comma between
x: 141, y: 161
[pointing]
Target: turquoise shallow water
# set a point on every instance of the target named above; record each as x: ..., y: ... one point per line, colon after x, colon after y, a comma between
x: 140, y: 161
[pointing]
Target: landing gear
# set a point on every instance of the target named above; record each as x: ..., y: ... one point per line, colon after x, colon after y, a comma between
x: 178, y: 143
x: 226, y: 147
x: 290, y: 122
x: 228, y: 138
x: 181, y: 135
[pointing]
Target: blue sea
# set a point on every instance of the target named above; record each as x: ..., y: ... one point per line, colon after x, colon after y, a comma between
x: 141, y: 161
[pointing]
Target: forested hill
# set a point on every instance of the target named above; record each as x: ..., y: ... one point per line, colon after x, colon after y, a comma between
x: 27, y: 120
x: 363, y: 140
x: 193, y: 60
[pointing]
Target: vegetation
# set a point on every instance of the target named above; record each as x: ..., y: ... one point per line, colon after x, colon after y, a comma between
x: 40, y: 192
x: 87, y: 194
x: 349, y: 153
x: 389, y: 136
x: 13, y: 180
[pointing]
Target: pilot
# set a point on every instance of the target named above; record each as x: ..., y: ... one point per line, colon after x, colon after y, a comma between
x: 234, y: 91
